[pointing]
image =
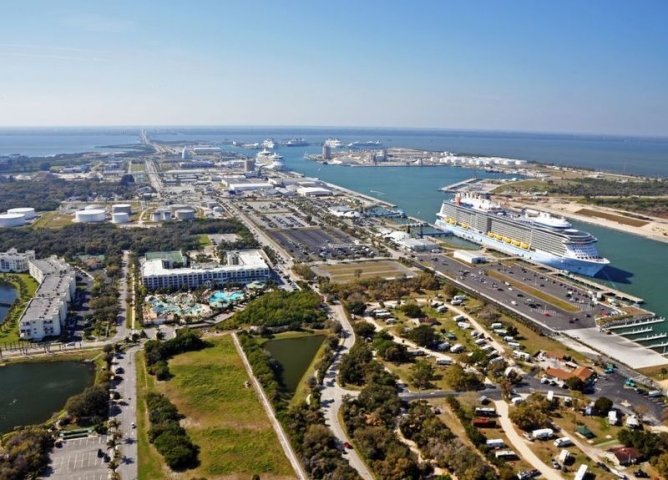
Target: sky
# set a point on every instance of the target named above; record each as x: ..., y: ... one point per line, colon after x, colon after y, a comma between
x: 536, y: 66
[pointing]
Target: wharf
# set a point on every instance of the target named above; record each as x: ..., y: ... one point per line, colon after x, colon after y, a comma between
x: 634, y: 323
x: 455, y: 186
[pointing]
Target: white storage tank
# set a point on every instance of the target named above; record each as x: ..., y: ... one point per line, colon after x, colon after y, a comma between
x: 167, y: 215
x: 218, y: 209
x: 28, y: 213
x: 12, y: 219
x: 156, y: 217
x: 185, y: 214
x: 90, y: 215
x: 120, y: 217
x: 93, y: 207
x: 122, y: 208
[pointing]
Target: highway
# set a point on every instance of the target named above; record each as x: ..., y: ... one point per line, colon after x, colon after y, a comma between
x: 126, y: 413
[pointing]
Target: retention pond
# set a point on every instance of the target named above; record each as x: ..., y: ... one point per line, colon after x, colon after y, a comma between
x: 32, y: 392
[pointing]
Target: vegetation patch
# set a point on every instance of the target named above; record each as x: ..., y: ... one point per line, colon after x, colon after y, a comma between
x: 587, y: 212
x: 25, y: 454
x: 342, y: 273
x: 222, y: 416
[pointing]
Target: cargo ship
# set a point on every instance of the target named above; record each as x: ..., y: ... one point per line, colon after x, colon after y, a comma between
x: 527, y: 233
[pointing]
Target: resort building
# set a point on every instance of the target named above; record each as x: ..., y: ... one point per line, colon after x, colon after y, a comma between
x: 241, y: 267
x: 46, y: 313
x: 14, y: 261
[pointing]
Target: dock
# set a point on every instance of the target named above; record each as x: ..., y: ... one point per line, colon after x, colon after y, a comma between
x: 637, y: 331
x: 632, y: 323
x: 456, y: 186
x: 656, y: 336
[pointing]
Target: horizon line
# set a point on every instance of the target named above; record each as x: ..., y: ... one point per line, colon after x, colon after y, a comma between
x: 337, y: 127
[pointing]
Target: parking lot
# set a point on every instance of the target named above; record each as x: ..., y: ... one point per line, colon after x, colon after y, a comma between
x: 77, y: 459
x: 316, y: 243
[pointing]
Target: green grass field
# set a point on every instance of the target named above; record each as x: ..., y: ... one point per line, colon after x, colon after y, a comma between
x: 223, y: 417
x: 342, y: 273
x: 53, y: 220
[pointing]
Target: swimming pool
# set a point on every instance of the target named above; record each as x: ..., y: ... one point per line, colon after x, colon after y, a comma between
x: 226, y: 297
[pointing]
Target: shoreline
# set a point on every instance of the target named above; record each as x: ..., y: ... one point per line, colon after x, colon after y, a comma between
x: 655, y: 229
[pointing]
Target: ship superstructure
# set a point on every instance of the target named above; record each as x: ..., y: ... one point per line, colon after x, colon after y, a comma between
x: 526, y: 233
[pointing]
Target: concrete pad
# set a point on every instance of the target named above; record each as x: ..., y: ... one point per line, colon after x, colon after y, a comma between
x: 618, y: 348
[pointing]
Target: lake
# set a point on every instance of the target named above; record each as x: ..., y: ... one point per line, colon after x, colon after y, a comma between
x: 7, y: 296
x: 32, y: 392
x: 294, y: 355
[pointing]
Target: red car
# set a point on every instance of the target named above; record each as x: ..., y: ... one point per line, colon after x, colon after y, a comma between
x: 347, y: 445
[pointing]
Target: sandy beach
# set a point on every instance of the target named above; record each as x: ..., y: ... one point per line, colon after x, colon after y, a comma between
x: 654, y: 229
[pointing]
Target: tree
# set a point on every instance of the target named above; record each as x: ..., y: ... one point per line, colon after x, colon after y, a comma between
x: 603, y: 405
x: 423, y: 335
x: 91, y: 406
x: 412, y: 310
x: 661, y: 464
x: 574, y: 383
x: 422, y: 373
x: 364, y: 329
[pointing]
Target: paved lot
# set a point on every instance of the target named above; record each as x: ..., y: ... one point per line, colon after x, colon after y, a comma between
x: 308, y: 243
x: 77, y: 460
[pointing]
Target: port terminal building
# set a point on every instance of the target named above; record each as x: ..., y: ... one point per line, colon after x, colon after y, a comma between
x: 47, y: 310
x: 171, y: 271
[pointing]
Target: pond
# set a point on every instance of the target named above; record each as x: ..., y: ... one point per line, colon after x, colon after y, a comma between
x: 32, y: 392
x: 294, y: 355
x: 7, y: 297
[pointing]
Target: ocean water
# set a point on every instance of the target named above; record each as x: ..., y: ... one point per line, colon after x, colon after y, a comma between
x: 634, y: 155
x: 637, y: 263
x: 49, y: 142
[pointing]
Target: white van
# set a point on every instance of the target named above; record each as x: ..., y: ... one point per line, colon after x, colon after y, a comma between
x: 514, y: 345
x: 457, y: 348
x: 508, y: 339
x: 513, y: 302
x: 496, y: 325
x: 563, y: 442
x: 444, y: 361
x: 654, y: 394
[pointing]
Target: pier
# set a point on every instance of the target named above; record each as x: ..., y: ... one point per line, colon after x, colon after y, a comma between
x: 637, y: 331
x: 455, y: 186
x: 632, y: 323
x: 656, y: 336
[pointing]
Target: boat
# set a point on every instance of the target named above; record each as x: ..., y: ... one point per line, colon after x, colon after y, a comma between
x: 527, y: 233
x: 296, y: 142
x: 333, y: 143
x: 269, y: 143
x: 369, y: 144
x: 264, y: 154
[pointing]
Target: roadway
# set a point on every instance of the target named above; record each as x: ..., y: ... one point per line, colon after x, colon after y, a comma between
x: 332, y: 395
x: 125, y: 411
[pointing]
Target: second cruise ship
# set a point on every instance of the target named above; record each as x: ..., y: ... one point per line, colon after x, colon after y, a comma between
x: 528, y: 233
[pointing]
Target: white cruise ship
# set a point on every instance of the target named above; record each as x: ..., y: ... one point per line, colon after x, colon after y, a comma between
x: 528, y: 233
x: 333, y: 143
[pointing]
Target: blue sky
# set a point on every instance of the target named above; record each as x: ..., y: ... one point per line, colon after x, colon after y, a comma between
x: 568, y: 66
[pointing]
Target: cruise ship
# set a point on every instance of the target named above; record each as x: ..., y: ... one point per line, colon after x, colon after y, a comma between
x: 333, y: 143
x: 296, y: 142
x: 527, y: 233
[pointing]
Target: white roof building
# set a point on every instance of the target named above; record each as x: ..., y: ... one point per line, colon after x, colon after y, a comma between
x: 47, y: 311
x: 14, y: 261
x: 243, y: 266
x: 314, y: 192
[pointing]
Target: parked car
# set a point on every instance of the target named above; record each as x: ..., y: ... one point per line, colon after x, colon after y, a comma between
x: 347, y: 445
x: 641, y: 474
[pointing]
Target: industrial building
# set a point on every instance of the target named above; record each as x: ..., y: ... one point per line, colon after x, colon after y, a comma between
x: 242, y: 267
x: 14, y: 261
x: 469, y: 257
x: 12, y: 219
x: 47, y: 310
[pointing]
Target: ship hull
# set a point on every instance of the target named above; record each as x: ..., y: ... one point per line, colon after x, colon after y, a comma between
x: 581, y: 267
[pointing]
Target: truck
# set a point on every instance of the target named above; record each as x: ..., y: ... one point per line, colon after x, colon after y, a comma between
x: 444, y: 361
x: 457, y: 348
x: 459, y: 318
